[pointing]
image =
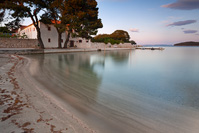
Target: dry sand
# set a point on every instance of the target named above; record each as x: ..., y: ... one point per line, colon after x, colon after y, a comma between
x: 24, y: 107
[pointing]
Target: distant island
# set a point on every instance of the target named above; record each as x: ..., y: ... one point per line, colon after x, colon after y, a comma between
x: 187, y: 44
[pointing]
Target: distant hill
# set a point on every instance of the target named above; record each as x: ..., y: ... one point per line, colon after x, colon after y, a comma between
x: 187, y: 44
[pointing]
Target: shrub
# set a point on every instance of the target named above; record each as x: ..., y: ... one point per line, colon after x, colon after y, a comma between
x: 117, y: 37
x: 7, y: 35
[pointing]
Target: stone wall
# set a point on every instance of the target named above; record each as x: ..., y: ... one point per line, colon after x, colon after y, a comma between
x: 103, y: 45
x: 18, y: 43
x: 33, y: 43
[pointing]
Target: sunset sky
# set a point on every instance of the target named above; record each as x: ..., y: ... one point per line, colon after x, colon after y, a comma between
x: 152, y: 21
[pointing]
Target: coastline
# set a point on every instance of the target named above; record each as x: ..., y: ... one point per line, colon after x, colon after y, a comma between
x: 25, y: 51
x: 30, y: 107
x: 25, y: 107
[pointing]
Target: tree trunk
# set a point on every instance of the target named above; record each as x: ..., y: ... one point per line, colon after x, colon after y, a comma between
x: 41, y: 44
x: 67, y: 40
x: 59, y: 40
x: 59, y: 37
x: 36, y: 24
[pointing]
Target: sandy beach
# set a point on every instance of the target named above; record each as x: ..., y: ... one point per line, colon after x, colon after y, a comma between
x: 24, y: 107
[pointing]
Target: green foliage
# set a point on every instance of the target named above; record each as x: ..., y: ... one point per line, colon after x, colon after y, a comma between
x: 120, y: 35
x: 117, y: 37
x: 11, y: 35
x: 133, y: 42
x: 7, y: 35
x: 88, y: 21
x: 112, y: 41
x: 101, y: 38
x: 23, y: 36
x: 4, y: 30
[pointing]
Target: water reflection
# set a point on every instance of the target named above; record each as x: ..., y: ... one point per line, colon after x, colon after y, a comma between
x: 119, y: 57
x: 69, y: 76
x: 126, y: 91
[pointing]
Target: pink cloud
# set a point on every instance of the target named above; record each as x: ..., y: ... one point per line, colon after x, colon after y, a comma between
x: 134, y: 30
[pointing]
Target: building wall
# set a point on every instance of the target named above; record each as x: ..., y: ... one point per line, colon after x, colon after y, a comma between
x: 81, y: 42
x: 49, y: 36
x: 18, y: 43
x: 30, y: 31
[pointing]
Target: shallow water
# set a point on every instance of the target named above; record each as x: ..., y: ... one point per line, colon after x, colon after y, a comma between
x: 127, y: 90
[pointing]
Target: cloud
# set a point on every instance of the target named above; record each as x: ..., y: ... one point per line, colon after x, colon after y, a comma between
x: 134, y: 30
x: 190, y: 31
x: 180, y: 23
x: 183, y: 5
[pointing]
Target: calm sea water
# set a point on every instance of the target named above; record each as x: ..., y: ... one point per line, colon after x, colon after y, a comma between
x: 126, y: 90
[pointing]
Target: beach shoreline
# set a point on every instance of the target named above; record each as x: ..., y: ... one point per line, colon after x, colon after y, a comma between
x: 34, y: 99
x: 27, y: 108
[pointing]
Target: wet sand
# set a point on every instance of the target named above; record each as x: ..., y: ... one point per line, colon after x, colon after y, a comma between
x: 26, y: 108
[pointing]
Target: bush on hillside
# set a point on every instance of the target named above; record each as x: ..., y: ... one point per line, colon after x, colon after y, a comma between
x: 117, y: 37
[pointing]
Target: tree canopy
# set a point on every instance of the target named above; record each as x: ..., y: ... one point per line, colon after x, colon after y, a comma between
x: 118, y: 36
x: 4, y: 30
x: 133, y: 42
x: 2, y: 14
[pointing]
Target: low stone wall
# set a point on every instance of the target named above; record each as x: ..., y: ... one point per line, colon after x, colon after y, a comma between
x: 103, y: 45
x: 33, y: 43
x: 18, y: 43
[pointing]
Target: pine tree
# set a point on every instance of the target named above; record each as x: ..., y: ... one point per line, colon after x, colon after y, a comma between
x: 79, y: 18
x: 84, y: 19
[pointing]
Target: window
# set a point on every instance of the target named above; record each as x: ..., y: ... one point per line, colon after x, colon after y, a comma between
x: 80, y: 41
x: 30, y: 29
x: 49, y: 28
x: 61, y: 40
x: 48, y: 39
x: 33, y: 29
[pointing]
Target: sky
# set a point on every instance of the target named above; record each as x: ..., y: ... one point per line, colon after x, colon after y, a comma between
x: 151, y: 21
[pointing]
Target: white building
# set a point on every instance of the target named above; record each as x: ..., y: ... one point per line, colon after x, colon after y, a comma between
x: 49, y: 36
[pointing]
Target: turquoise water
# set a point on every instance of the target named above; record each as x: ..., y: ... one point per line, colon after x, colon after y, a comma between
x: 126, y: 90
